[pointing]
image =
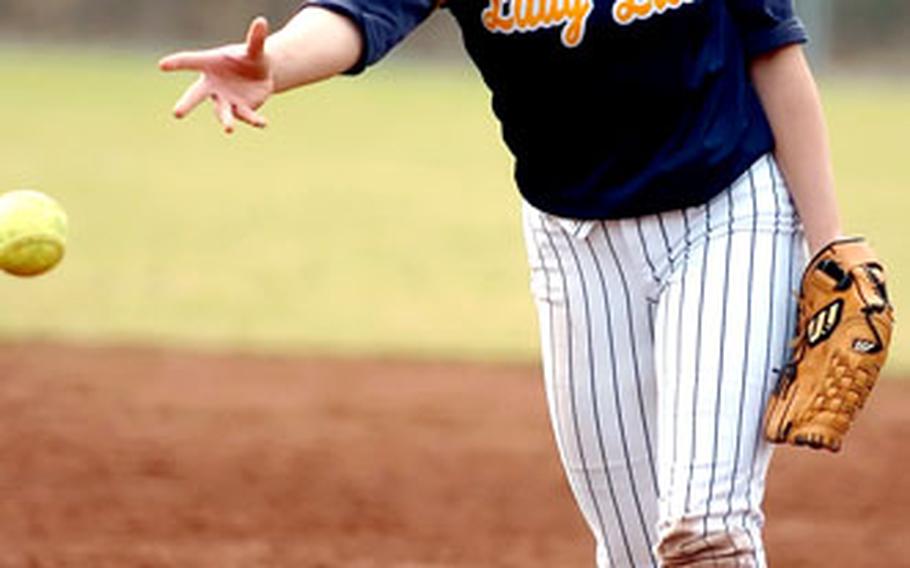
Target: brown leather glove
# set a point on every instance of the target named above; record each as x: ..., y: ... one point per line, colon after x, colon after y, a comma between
x: 842, y: 337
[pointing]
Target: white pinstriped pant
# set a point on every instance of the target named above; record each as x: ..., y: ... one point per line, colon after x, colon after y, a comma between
x: 660, y: 340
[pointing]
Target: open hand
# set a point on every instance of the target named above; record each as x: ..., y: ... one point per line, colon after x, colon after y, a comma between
x: 238, y: 78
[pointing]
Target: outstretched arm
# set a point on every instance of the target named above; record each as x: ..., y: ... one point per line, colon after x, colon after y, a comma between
x: 315, y: 44
x: 791, y: 101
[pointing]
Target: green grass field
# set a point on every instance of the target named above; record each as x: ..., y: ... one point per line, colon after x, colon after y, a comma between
x: 375, y: 216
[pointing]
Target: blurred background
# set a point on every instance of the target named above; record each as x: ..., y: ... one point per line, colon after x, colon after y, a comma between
x: 845, y: 32
x: 377, y: 215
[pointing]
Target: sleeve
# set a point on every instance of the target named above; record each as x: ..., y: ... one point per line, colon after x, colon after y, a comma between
x: 766, y: 25
x: 382, y: 23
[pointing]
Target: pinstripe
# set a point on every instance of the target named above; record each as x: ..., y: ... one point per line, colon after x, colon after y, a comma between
x: 721, y: 362
x: 647, y: 255
x: 617, y: 401
x: 746, y: 358
x: 771, y: 312
x: 644, y: 248
x: 663, y: 232
x: 669, y: 249
x: 634, y: 352
x: 679, y: 336
x: 791, y: 309
x: 791, y: 298
x: 550, y: 318
x: 652, y: 315
x: 571, y: 378
x: 698, y: 337
x: 663, y: 371
x: 594, y: 398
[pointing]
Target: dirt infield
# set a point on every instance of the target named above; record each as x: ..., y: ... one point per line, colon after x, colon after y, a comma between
x: 141, y: 457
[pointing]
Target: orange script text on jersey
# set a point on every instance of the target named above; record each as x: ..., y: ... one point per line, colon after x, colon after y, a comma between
x: 507, y: 16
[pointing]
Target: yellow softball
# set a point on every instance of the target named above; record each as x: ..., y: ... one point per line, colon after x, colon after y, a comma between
x: 32, y: 232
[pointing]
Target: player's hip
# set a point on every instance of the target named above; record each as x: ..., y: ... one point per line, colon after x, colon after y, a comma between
x: 756, y: 212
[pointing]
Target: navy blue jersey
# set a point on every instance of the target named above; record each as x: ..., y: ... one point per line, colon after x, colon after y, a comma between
x: 612, y: 108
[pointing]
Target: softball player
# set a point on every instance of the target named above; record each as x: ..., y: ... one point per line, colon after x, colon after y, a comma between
x: 670, y: 154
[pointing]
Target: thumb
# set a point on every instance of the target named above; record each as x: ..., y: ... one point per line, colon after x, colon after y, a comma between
x: 255, y: 37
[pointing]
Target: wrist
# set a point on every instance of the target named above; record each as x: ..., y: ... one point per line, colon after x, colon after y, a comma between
x: 818, y: 242
x: 274, y: 54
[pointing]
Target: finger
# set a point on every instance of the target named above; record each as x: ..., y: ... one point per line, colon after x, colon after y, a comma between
x: 186, y: 60
x: 249, y: 116
x: 255, y: 37
x: 191, y: 98
x: 224, y: 113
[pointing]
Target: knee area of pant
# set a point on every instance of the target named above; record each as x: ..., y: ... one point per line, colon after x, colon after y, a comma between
x: 686, y: 543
